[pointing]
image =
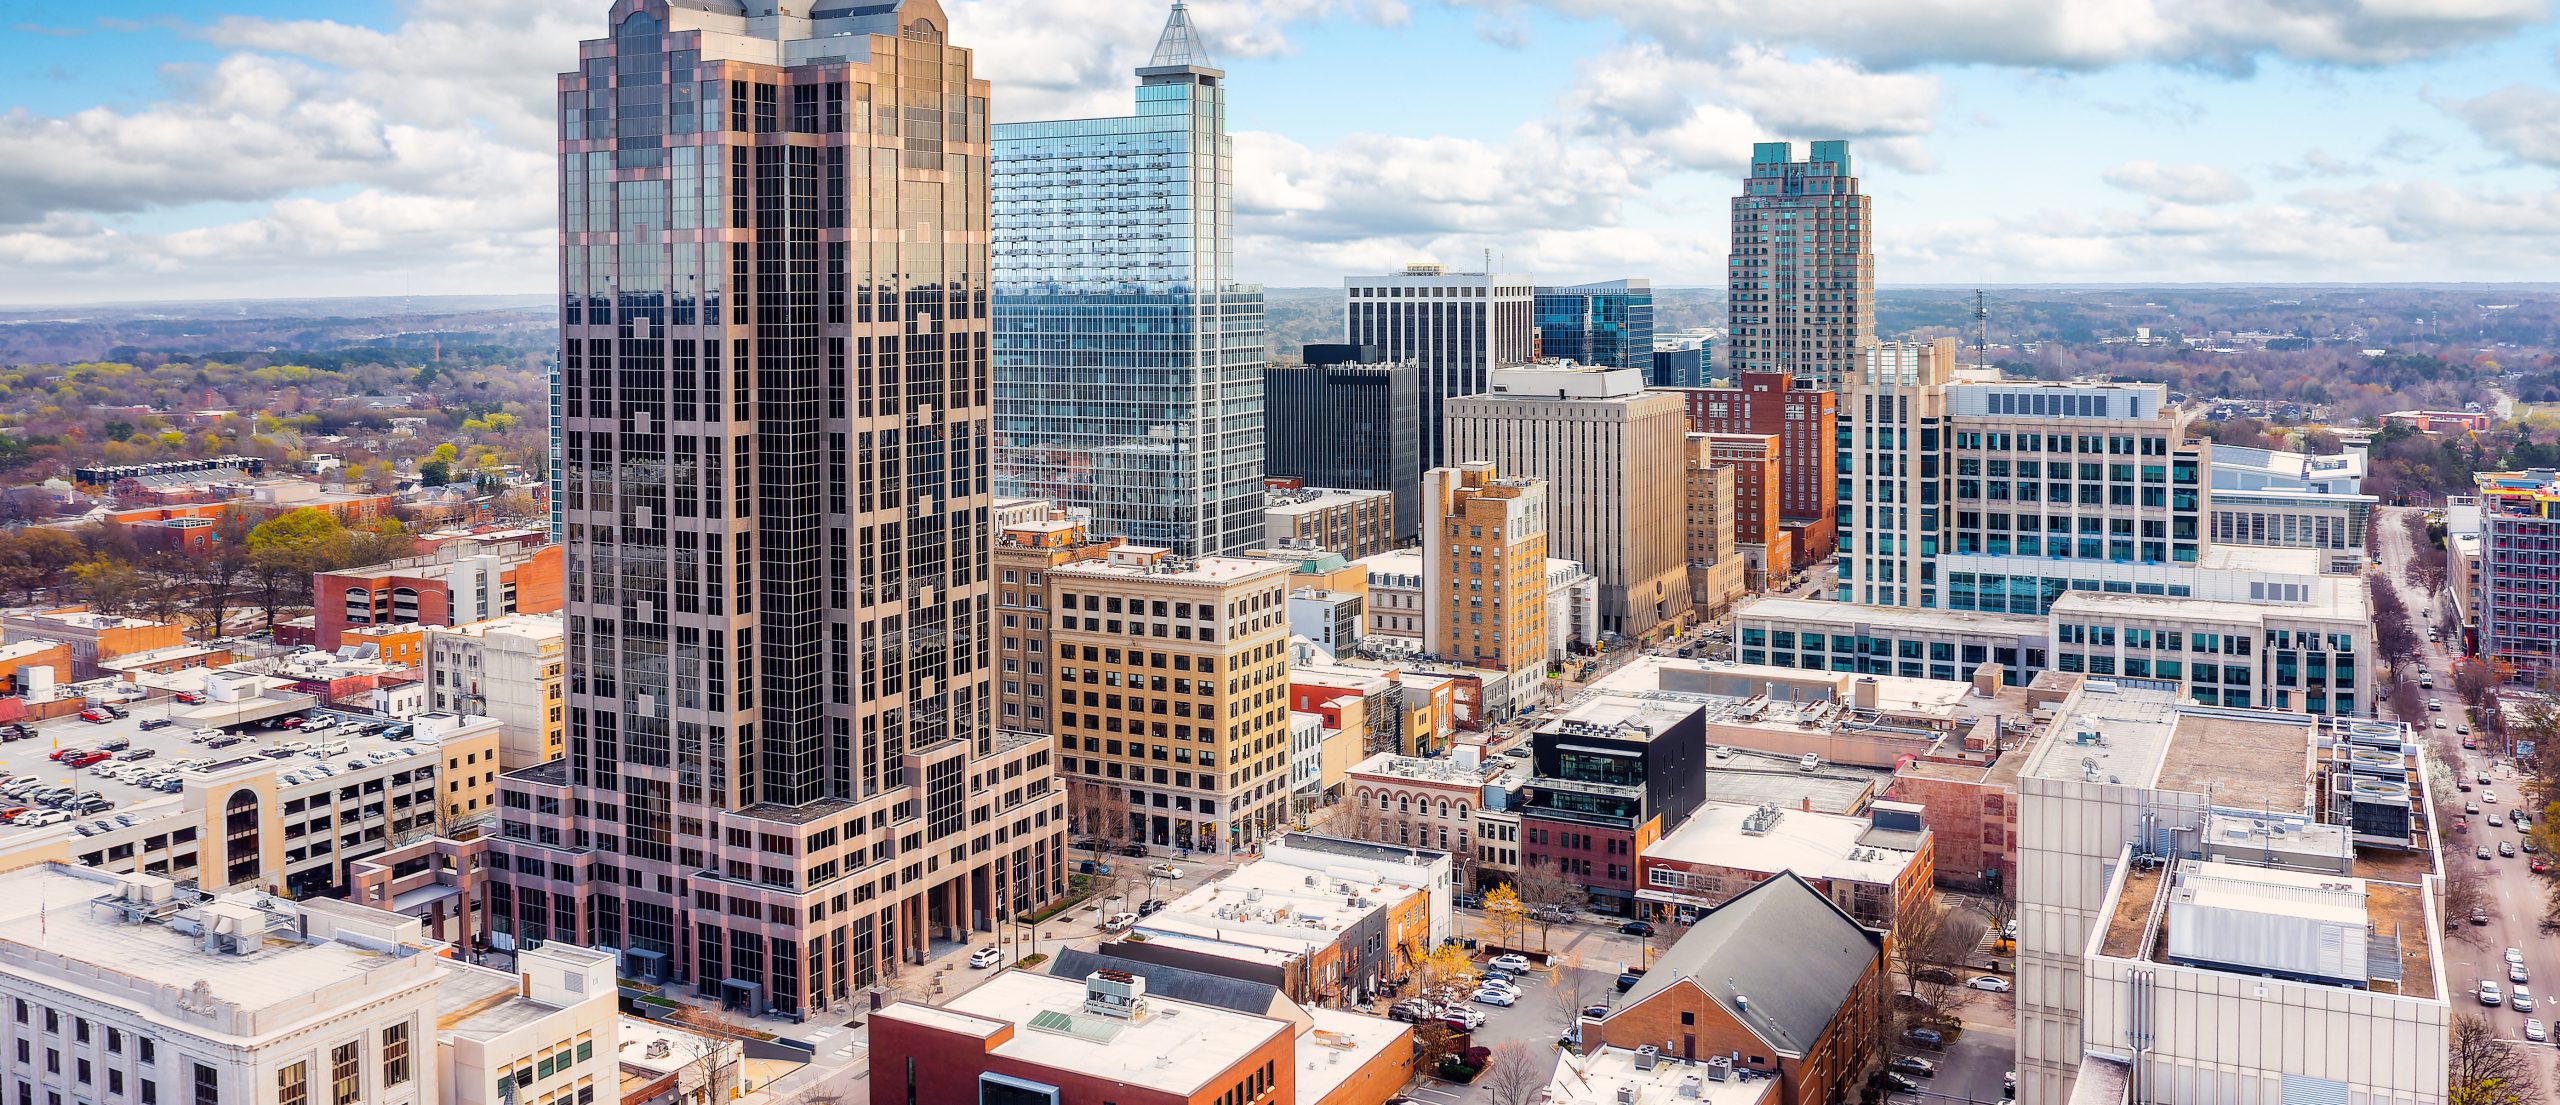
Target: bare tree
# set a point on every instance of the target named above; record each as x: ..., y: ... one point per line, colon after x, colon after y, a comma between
x: 2466, y: 888
x: 1514, y: 1074
x: 1574, y: 988
x: 1551, y: 897
x: 2482, y: 1068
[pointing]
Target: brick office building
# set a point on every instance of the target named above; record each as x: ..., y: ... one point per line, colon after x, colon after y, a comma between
x: 1613, y: 775
x: 1806, y: 423
x: 1778, y: 980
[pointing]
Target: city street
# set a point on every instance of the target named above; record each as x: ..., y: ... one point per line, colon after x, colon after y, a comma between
x: 2514, y: 896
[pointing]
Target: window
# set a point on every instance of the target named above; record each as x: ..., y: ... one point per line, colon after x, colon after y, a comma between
x: 395, y: 1055
x: 293, y: 1085
x: 346, y: 1076
x: 208, y: 1082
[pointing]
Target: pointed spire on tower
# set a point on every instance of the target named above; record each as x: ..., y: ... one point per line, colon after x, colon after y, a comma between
x: 1179, y: 46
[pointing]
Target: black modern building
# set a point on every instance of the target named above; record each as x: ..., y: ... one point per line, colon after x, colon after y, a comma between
x: 1342, y: 419
x: 1612, y: 777
x: 1678, y: 368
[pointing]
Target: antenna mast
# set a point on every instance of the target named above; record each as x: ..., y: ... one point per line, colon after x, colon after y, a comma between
x: 1981, y: 330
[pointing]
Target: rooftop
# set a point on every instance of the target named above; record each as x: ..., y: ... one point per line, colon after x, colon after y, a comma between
x: 1612, y: 1076
x: 1338, y: 1045
x: 1311, y: 500
x: 1445, y: 770
x: 1814, y: 845
x: 1132, y: 562
x: 1402, y: 562
x: 1625, y: 716
x: 1177, y: 1047
x: 1779, y: 957
x: 2336, y: 598
x: 263, y: 963
x: 83, y: 619
x: 534, y: 627
x: 2399, y: 958
x: 1278, y: 907
x: 2113, y: 733
x: 1894, y: 617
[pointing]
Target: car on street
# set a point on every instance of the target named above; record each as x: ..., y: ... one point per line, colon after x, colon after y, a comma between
x: 1637, y: 928
x: 2469, y: 743
x: 2516, y: 974
x: 2479, y: 916
x: 1165, y: 871
x: 2522, y: 1002
x: 2496, y: 822
x: 2463, y: 785
x: 2540, y: 867
x: 2491, y: 993
x: 2463, y: 728
x: 2484, y: 779
x: 2439, y: 723
x: 1092, y: 867
x: 2435, y: 704
x: 2471, y: 809
x: 2489, y: 797
x: 1119, y: 922
x: 1513, y: 963
x: 983, y: 958
x: 1595, y: 1012
x: 2533, y: 1030
x: 2514, y: 956
x: 1137, y: 850
x: 2482, y: 852
x: 1494, y: 996
x: 2506, y: 849
x: 1913, y: 1064
x: 1993, y: 983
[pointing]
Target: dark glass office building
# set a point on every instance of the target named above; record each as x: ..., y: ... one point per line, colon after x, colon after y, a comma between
x: 1609, y: 324
x: 1344, y: 420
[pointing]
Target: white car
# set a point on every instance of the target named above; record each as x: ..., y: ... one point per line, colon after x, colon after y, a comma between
x: 983, y: 958
x: 1993, y: 983
x: 1165, y: 871
x: 2491, y: 993
x: 2489, y: 797
x: 1119, y: 922
x: 1472, y: 1018
x: 1492, y: 996
x: 47, y: 817
x: 1513, y: 963
x: 2533, y: 1030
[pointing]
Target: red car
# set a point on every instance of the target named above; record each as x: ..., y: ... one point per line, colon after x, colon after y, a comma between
x: 98, y: 716
x: 11, y: 813
x: 294, y: 722
x: 2538, y: 867
x: 86, y: 758
x: 2469, y: 743
x: 191, y: 698
x: 60, y: 754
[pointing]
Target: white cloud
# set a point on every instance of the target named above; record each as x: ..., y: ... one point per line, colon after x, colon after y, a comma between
x: 2186, y: 184
x: 2520, y: 121
x: 1704, y: 113
x: 2075, y: 34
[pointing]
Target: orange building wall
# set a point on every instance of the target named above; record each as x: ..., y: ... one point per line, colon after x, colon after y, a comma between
x: 539, y: 581
x: 1826, y: 1072
x: 58, y: 657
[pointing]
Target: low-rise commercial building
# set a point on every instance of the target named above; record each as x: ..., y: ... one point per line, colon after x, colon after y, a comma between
x: 457, y: 582
x: 1396, y: 596
x: 546, y: 1033
x: 1777, y: 982
x: 1876, y: 868
x: 1329, y: 920
x: 1613, y: 774
x: 1437, y: 802
x: 94, y: 638
x: 1115, y: 1038
x: 1353, y: 522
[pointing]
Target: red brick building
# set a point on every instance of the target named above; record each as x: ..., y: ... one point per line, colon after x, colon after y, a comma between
x: 1806, y: 424
x: 1759, y: 529
x: 457, y: 584
x: 1778, y: 979
x: 1106, y: 1039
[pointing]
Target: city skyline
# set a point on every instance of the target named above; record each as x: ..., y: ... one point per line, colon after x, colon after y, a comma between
x: 282, y: 147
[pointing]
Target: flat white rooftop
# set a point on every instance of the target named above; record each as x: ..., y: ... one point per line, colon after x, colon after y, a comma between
x: 1814, y: 845
x: 1178, y: 1047
x: 1609, y: 1076
x: 1894, y: 617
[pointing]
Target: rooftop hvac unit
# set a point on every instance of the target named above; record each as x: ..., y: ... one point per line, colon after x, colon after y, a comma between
x: 1693, y: 1088
x: 1647, y: 1056
x: 1626, y: 1095
x: 1720, y: 1069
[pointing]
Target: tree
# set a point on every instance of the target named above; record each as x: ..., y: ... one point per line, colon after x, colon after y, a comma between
x: 1434, y: 1042
x: 110, y: 586
x: 1575, y: 989
x: 1509, y: 918
x: 2483, y: 1069
x: 2465, y: 889
x: 1551, y: 896
x: 33, y: 560
x: 435, y: 473
x: 1514, y: 1075
x: 212, y: 583
x: 1445, y: 966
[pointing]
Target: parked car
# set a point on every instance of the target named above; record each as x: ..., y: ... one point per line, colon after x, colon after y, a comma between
x: 95, y: 716
x: 2506, y: 849
x: 1913, y: 1064
x: 191, y: 698
x: 1513, y: 963
x: 45, y: 817
x: 1137, y: 851
x: 1924, y: 1037
x: 1465, y: 1018
x: 92, y: 805
x: 1627, y: 980
x: 1637, y: 928
x: 137, y: 753
x: 984, y: 957
x: 1119, y: 922
x: 1595, y: 1012
x: 1897, y: 1083
x: 1412, y: 1011
x: 85, y: 759
x: 1165, y: 871
x: 151, y: 723
x: 1993, y: 983
x: 1939, y: 975
x: 1494, y: 996
x: 116, y: 744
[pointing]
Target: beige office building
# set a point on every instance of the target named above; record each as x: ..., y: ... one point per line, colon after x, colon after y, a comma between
x: 1171, y: 701
x: 1027, y: 550
x: 1717, y: 574
x: 1611, y: 454
x: 505, y: 668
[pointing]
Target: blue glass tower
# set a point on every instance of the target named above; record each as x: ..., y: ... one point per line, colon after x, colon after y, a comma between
x: 1128, y: 361
x: 1609, y: 323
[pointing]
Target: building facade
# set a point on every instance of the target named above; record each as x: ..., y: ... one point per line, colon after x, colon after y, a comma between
x: 1128, y: 360
x: 1801, y: 281
x: 1343, y: 419
x: 2517, y: 571
x: 1612, y: 776
x: 1354, y: 523
x: 1171, y: 696
x: 1717, y: 573
x: 1759, y: 532
x: 783, y: 774
x: 1027, y: 550
x: 1454, y: 327
x: 1609, y: 324
x: 1485, y: 557
x: 509, y: 669
x: 1610, y: 453
x: 1805, y: 422
x: 457, y: 583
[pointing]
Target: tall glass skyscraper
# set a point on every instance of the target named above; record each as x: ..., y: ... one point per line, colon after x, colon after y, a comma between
x: 1128, y: 361
x: 1608, y: 324
x: 1800, y: 282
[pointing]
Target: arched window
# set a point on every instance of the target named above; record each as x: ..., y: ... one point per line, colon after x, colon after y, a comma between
x: 1462, y: 811
x: 240, y: 837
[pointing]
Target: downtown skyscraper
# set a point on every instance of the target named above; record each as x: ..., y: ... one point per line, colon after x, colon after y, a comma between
x: 1457, y: 327
x: 1128, y: 361
x: 1800, y: 285
x: 782, y: 775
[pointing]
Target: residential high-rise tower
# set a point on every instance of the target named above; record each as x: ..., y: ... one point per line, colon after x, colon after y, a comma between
x: 1801, y: 283
x: 1128, y: 361
x: 783, y: 776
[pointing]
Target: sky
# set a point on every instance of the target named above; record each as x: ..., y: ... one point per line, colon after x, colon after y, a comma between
x: 265, y: 148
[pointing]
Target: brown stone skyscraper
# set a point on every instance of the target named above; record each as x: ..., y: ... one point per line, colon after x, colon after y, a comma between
x: 783, y: 770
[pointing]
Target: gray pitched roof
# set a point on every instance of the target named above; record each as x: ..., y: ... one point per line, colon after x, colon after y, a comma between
x: 1780, y: 944
x: 1175, y: 983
